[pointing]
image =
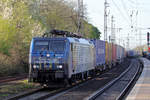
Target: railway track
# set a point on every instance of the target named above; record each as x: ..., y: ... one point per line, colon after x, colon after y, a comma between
x: 43, y: 93
x: 37, y: 94
x: 83, y: 91
x: 131, y: 83
x: 79, y: 91
x: 118, y: 88
x: 12, y: 78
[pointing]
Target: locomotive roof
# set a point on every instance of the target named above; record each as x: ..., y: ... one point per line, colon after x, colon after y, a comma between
x: 72, y: 40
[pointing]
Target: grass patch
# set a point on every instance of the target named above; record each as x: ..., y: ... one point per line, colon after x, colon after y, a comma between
x: 16, y: 87
x: 4, y: 95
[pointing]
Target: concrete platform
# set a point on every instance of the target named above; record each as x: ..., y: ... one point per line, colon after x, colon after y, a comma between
x: 141, y: 90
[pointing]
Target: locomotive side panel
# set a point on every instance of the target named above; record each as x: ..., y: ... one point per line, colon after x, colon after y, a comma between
x: 83, y: 58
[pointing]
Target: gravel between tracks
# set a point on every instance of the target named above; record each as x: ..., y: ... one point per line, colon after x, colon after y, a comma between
x: 39, y: 94
x: 91, y: 86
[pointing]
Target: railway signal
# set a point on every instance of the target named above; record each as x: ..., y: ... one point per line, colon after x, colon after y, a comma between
x: 148, y: 34
x: 148, y: 49
x: 148, y: 43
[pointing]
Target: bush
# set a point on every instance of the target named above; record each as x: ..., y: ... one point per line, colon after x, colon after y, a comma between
x: 11, y: 65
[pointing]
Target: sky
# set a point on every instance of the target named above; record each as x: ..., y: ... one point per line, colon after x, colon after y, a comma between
x: 121, y: 10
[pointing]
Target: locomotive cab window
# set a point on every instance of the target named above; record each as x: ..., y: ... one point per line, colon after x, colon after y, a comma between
x: 57, y: 46
x: 41, y: 45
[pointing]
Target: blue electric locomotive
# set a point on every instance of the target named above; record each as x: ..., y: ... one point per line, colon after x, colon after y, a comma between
x: 60, y: 58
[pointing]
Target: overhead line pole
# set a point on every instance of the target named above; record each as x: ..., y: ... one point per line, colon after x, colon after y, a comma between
x: 80, y: 16
x: 131, y: 31
x: 79, y: 20
x: 137, y: 24
x: 105, y: 19
x: 112, y: 30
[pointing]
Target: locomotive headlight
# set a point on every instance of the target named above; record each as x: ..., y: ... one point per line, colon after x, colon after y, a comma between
x: 48, y: 55
x: 59, y: 66
x: 35, y: 66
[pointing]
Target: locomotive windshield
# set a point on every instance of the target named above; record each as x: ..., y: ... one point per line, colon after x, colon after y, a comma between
x: 52, y: 45
x: 57, y: 46
x: 41, y: 45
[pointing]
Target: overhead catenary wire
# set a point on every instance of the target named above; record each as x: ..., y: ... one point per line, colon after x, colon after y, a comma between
x: 131, y: 1
x: 125, y: 8
x: 121, y: 13
x: 125, y: 18
x: 133, y: 4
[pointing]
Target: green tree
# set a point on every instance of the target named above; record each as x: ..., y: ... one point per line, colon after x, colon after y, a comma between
x: 95, y: 33
x: 59, y: 14
x: 20, y: 20
x: 17, y: 27
x: 7, y: 35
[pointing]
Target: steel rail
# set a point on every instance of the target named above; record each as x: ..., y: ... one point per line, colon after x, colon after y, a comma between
x: 16, y: 97
x: 123, y: 93
x: 101, y: 90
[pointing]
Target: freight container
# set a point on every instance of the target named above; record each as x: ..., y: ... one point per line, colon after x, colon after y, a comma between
x: 106, y: 53
x: 118, y: 53
x: 100, y: 52
x: 131, y: 53
x: 110, y: 54
x: 114, y: 54
x: 123, y: 54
